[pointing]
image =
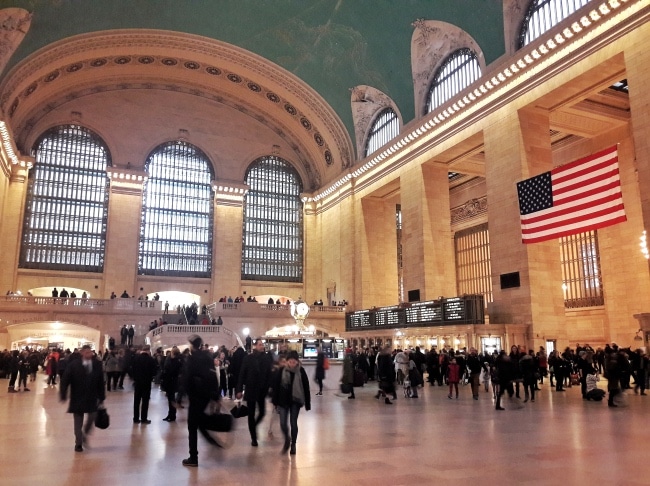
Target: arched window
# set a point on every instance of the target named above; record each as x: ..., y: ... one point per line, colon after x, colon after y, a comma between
x: 177, y: 213
x: 384, y: 128
x: 544, y: 14
x: 272, y: 233
x: 455, y: 74
x: 67, y: 202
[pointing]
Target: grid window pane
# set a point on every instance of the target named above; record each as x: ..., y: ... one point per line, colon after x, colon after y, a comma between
x: 457, y: 72
x: 581, y: 280
x: 273, y: 225
x: 473, y: 270
x: 177, y: 213
x: 542, y: 15
x: 384, y: 129
x: 67, y: 202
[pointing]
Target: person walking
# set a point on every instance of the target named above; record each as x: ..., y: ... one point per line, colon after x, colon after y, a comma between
x: 290, y: 394
x: 169, y: 381
x: 253, y: 384
x: 320, y: 371
x: 144, y: 369
x: 201, y: 385
x: 453, y: 377
x: 85, y: 379
x: 347, y: 377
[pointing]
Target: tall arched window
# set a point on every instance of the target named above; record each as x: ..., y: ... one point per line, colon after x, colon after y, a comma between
x: 544, y: 14
x: 67, y: 202
x: 384, y: 128
x: 177, y: 213
x: 272, y: 233
x: 455, y: 74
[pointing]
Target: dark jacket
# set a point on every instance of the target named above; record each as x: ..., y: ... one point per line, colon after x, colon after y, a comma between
x: 282, y: 396
x: 255, y: 375
x: 171, y: 374
x: 200, y: 379
x: 86, y: 389
x: 144, y: 368
x: 320, y: 366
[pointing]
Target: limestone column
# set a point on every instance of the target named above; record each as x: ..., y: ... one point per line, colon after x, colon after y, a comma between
x: 427, y: 246
x: 122, y: 236
x: 227, y: 245
x: 637, y: 63
x: 377, y: 264
x: 11, y: 226
x: 517, y: 148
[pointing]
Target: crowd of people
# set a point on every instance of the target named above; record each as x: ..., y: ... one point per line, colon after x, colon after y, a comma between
x: 201, y: 374
x: 502, y: 371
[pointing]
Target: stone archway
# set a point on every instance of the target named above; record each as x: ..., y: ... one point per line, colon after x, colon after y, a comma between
x: 69, y: 334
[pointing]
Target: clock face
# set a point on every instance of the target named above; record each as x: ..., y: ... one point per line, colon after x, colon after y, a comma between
x: 302, y: 308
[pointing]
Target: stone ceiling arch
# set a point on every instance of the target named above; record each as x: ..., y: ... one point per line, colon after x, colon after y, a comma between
x: 115, y: 61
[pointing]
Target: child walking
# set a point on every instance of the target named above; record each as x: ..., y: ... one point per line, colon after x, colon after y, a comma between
x: 453, y: 377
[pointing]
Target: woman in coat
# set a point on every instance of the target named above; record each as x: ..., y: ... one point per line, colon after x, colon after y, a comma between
x: 347, y: 378
x: 320, y: 371
x: 290, y: 394
x: 169, y: 381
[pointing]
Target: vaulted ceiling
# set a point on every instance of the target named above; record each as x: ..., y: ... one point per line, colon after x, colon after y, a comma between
x: 330, y: 45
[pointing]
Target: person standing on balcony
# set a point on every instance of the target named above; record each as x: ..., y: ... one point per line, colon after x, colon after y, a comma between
x: 166, y: 307
x: 130, y: 335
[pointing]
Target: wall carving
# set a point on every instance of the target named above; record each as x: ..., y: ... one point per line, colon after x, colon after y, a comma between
x: 14, y: 24
x: 431, y: 43
x: 366, y: 102
x: 468, y: 211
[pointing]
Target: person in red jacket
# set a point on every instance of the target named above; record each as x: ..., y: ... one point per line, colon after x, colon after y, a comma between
x: 453, y: 376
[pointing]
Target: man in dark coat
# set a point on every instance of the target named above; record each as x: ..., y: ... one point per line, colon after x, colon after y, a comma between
x: 85, y: 378
x: 255, y: 378
x: 124, y: 335
x: 201, y: 385
x: 130, y: 335
x: 144, y: 369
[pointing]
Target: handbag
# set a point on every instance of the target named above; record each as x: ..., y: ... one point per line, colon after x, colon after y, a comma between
x: 219, y: 422
x: 240, y: 410
x: 102, y: 419
x: 346, y: 388
x: 214, y: 419
x: 326, y: 363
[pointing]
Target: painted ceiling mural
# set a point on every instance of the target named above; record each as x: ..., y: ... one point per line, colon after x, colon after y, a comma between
x: 331, y: 45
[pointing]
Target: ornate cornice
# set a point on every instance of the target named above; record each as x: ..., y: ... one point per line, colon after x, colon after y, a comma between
x: 470, y: 210
x: 223, y: 72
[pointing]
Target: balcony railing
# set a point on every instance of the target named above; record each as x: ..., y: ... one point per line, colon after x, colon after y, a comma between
x: 117, y: 304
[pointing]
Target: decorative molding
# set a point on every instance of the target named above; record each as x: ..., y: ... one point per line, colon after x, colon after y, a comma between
x: 208, y: 60
x: 470, y: 210
x: 432, y: 42
x: 14, y: 25
x: 585, y: 32
x: 366, y: 102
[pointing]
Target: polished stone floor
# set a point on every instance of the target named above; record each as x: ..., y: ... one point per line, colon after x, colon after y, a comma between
x: 431, y: 440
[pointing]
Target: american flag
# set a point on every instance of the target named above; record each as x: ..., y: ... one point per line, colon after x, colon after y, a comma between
x: 581, y: 196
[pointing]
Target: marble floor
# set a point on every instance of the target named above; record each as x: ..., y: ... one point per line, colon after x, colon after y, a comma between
x: 431, y: 440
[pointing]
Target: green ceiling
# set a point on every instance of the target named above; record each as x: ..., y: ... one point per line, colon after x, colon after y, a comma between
x: 332, y: 45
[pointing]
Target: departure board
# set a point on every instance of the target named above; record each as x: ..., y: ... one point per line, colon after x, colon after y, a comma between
x: 359, y: 319
x: 387, y: 316
x: 424, y: 312
x: 454, y: 309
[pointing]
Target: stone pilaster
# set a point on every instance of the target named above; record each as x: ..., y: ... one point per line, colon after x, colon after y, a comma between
x: 427, y: 246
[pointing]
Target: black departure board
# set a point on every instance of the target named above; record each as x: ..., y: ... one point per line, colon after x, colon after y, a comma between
x: 454, y: 309
x: 359, y: 319
x: 424, y: 312
x: 468, y: 309
x: 388, y: 316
